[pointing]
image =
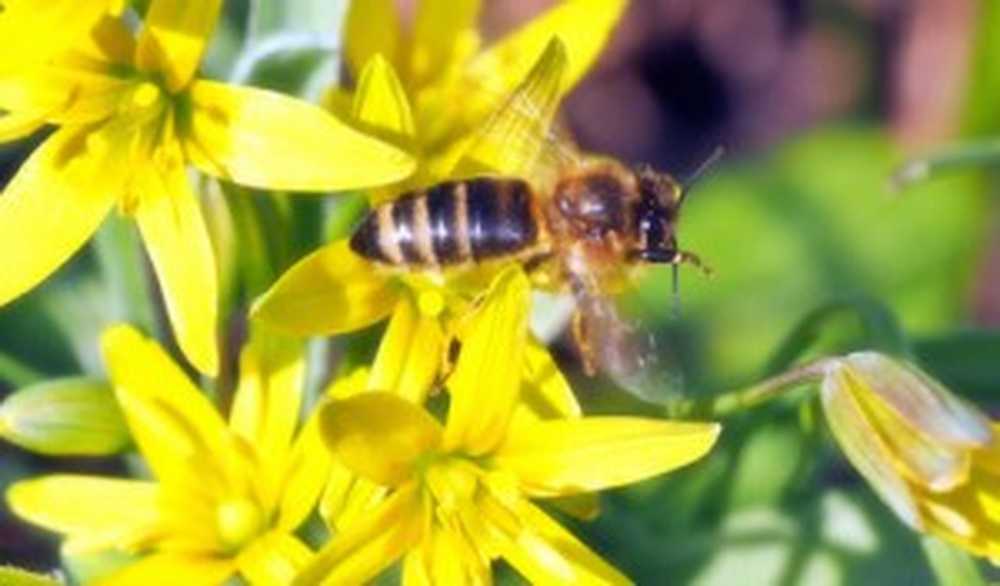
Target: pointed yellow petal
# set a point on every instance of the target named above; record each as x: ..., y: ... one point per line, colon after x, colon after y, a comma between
x: 444, y: 36
x: 409, y: 355
x: 484, y: 387
x: 305, y: 476
x: 263, y: 139
x: 381, y: 105
x: 922, y: 401
x: 372, y: 28
x: 379, y: 435
x: 546, y: 392
x: 566, y: 456
x: 268, y: 399
x: 174, y: 37
x: 173, y: 230
x: 924, y: 460
x: 865, y: 448
x: 34, y: 32
x: 512, y: 139
x: 94, y: 512
x: 15, y: 125
x: 544, y: 552
x: 273, y: 560
x: 583, y: 25
x: 365, y: 549
x: 331, y: 291
x: 171, y: 421
x: 171, y: 569
x: 348, y: 498
x: 54, y: 203
x: 439, y: 559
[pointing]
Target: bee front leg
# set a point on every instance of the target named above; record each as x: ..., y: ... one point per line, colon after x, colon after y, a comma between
x: 582, y: 343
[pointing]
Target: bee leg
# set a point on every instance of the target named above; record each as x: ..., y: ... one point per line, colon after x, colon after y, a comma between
x: 690, y: 258
x: 583, y: 346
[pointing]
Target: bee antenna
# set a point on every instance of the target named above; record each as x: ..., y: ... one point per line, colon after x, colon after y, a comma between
x: 700, y: 171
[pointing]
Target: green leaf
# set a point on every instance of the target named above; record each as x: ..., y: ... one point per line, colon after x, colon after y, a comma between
x: 951, y: 566
x: 983, y: 91
x: 812, y: 224
x: 13, y: 576
x: 965, y: 361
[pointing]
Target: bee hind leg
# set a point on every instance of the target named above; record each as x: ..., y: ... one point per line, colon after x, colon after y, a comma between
x: 583, y: 345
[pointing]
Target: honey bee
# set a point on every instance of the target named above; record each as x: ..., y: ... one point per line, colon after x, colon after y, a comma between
x: 583, y: 222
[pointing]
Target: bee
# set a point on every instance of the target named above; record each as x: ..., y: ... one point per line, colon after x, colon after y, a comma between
x: 581, y: 223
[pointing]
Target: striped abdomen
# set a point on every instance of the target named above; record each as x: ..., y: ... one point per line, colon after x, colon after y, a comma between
x: 452, y: 223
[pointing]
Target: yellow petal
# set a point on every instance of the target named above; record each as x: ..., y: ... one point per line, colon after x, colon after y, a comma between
x: 34, y: 32
x: 922, y: 401
x: 171, y: 569
x: 53, y: 204
x: 865, y: 448
x: 273, y: 560
x: 379, y: 435
x: 546, y: 392
x: 173, y: 230
x: 583, y: 25
x: 372, y: 28
x: 365, y: 549
x: 923, y: 459
x: 305, y: 476
x: 348, y: 498
x: 93, y: 512
x: 567, y: 456
x: 174, y: 37
x: 331, y: 291
x: 444, y: 36
x: 381, y: 105
x: 263, y: 139
x: 268, y: 399
x: 15, y: 125
x: 409, y: 355
x: 544, y: 552
x: 439, y: 559
x: 484, y: 387
x: 512, y: 139
x: 172, y: 422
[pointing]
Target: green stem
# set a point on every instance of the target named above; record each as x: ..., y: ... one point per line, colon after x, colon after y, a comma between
x: 755, y: 395
x: 17, y: 373
x: 977, y: 154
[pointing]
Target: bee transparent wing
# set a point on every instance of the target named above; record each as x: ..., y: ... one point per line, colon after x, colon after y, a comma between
x: 518, y: 138
x: 634, y: 358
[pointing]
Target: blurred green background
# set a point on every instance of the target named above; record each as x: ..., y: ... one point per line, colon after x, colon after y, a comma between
x: 817, y: 104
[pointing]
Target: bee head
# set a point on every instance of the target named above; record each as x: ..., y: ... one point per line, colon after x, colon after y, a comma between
x: 660, y: 199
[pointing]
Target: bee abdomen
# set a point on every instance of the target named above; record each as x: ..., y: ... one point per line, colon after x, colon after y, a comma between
x: 451, y: 223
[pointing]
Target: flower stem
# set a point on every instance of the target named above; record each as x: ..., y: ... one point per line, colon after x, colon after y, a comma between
x: 755, y: 395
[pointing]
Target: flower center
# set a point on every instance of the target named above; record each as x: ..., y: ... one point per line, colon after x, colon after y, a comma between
x: 237, y: 521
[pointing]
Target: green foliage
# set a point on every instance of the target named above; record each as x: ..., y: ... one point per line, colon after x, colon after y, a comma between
x: 11, y: 576
x: 813, y: 224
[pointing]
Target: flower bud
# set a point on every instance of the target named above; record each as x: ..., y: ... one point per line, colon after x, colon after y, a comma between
x: 70, y: 416
x: 933, y: 458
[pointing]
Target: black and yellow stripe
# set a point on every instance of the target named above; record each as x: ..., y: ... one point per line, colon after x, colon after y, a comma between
x: 451, y: 223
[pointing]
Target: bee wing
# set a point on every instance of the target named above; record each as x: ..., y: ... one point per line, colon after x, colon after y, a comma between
x: 630, y: 356
x: 518, y: 139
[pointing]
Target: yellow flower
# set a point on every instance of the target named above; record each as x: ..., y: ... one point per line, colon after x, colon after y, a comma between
x: 461, y: 494
x: 34, y: 31
x: 333, y: 290
x: 934, y: 459
x: 131, y: 115
x: 452, y: 82
x: 225, y: 499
